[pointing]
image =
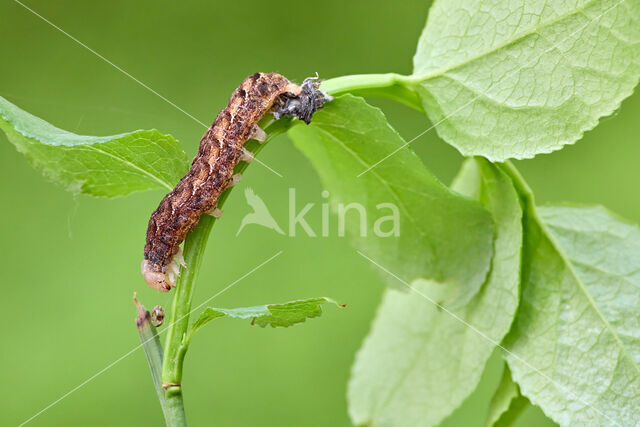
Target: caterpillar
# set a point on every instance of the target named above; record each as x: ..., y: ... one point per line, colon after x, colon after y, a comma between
x: 221, y: 149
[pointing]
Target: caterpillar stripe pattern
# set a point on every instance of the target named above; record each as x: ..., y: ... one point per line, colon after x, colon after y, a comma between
x: 221, y: 149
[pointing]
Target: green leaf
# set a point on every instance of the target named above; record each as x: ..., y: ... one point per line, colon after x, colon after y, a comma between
x: 515, y: 78
x: 106, y: 166
x: 274, y: 315
x: 420, y: 361
x: 507, y: 402
x: 436, y: 227
x: 575, y: 343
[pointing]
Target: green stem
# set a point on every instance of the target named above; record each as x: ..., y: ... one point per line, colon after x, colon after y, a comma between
x: 174, y: 409
x: 393, y: 86
x: 179, y: 322
x: 176, y: 343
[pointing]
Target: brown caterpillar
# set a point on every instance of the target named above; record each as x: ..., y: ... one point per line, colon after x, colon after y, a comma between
x: 221, y: 149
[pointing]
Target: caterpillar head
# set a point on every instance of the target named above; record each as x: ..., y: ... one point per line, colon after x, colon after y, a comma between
x: 156, y: 278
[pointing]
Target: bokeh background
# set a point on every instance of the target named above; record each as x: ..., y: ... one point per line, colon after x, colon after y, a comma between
x: 70, y: 264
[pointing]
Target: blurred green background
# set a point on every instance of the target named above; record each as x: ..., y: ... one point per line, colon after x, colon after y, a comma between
x: 70, y: 264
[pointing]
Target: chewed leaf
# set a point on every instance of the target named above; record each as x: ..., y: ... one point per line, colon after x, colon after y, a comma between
x: 106, y: 166
x: 515, y: 78
x: 274, y: 315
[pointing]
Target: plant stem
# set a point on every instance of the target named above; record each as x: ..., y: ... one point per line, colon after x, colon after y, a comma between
x: 175, y: 347
x: 179, y: 322
x: 174, y: 409
x: 393, y: 86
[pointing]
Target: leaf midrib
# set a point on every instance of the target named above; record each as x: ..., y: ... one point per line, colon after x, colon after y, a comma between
x: 582, y: 287
x: 130, y: 164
